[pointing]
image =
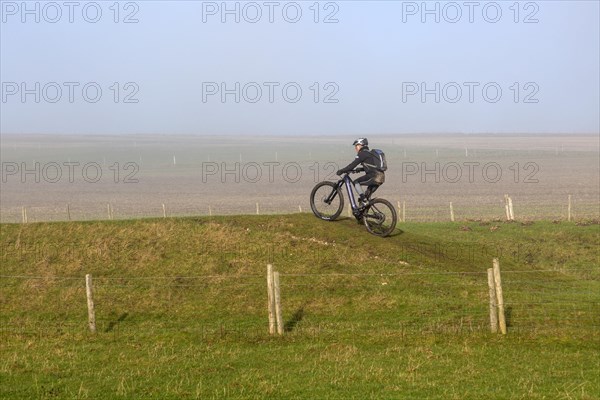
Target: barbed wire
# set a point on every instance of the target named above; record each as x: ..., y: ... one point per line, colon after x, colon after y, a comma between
x: 538, y: 308
x: 332, y: 275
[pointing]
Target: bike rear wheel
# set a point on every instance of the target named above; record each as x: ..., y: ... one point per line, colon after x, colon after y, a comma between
x: 380, y: 217
x: 326, y: 201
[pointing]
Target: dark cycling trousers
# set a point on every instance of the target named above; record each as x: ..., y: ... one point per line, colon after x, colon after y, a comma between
x: 372, y: 181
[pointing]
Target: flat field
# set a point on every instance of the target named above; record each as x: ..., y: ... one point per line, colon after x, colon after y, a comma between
x: 201, y: 175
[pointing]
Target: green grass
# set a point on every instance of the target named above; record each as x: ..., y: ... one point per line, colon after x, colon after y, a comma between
x: 181, y: 310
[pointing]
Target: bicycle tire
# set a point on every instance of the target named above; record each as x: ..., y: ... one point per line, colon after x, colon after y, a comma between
x: 320, y: 193
x: 380, y: 217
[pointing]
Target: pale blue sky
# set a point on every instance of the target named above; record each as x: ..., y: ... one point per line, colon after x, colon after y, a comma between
x: 373, y: 56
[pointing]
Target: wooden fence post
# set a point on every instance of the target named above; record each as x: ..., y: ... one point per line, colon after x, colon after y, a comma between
x: 493, y: 304
x: 506, y: 207
x: 164, y: 211
x: 510, y: 209
x: 271, y: 299
x: 90, y: 303
x: 569, y: 209
x: 451, y: 212
x: 404, y: 211
x: 257, y: 209
x: 68, y: 212
x: 278, y: 314
x: 499, y: 296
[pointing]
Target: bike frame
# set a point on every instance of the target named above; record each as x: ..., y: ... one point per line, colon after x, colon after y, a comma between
x: 345, y: 181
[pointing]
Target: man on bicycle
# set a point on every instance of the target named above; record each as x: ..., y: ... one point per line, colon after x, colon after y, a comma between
x: 373, y: 177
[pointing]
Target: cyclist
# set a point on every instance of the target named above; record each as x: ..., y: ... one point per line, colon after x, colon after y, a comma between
x: 373, y: 177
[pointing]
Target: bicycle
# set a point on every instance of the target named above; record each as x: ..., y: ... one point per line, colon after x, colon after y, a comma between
x: 327, y: 203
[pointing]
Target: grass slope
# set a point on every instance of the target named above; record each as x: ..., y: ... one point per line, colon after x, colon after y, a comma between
x: 181, y: 310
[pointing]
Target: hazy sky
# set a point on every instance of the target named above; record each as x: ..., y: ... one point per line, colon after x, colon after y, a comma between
x: 343, y: 67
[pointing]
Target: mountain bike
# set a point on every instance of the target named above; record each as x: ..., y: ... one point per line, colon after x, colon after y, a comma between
x: 327, y: 203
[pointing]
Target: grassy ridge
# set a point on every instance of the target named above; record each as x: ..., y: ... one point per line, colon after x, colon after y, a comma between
x: 180, y: 305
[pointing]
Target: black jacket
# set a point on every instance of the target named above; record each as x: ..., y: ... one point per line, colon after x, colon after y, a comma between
x: 364, y: 157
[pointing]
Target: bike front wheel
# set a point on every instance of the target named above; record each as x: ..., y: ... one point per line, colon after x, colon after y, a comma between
x: 326, y: 201
x: 380, y: 217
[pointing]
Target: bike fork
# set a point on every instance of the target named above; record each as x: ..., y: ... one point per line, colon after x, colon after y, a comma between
x: 332, y: 195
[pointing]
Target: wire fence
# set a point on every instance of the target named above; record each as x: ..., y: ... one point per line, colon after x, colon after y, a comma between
x: 409, y: 208
x: 549, y: 302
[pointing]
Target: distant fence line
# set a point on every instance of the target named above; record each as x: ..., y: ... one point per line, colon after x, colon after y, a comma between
x: 452, y: 211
